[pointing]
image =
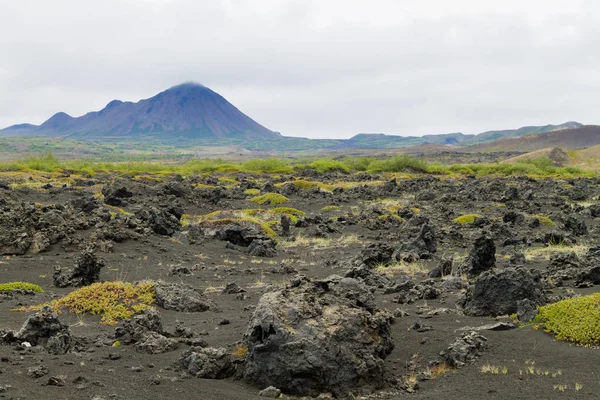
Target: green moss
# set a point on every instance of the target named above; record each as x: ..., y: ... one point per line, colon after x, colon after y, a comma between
x: 7, y: 287
x: 330, y: 208
x: 575, y: 320
x: 391, y: 217
x: 546, y: 221
x: 270, y: 198
x: 252, y: 192
x: 466, y: 219
x: 113, y: 301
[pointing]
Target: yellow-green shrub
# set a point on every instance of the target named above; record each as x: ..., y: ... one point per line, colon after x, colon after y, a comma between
x: 7, y: 287
x: 270, y: 198
x: 575, y: 320
x: 113, y: 301
x: 466, y: 219
x: 252, y: 191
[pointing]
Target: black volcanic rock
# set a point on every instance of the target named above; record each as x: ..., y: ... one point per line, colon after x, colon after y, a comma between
x: 187, y: 111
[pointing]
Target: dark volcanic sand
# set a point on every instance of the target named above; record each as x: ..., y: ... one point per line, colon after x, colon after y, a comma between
x: 152, y: 257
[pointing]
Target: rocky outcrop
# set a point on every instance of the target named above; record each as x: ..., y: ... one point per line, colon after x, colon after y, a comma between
x: 318, y: 336
x: 497, y: 293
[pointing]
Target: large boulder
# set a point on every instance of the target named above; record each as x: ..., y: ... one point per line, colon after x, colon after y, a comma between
x: 423, y: 243
x: 375, y: 254
x: 162, y: 221
x: 465, y: 349
x: 482, y: 256
x: 318, y: 336
x: 116, y: 195
x: 207, y: 363
x: 45, y: 329
x: 240, y: 235
x: 145, y: 331
x: 85, y: 272
x: 182, y: 297
x: 497, y: 293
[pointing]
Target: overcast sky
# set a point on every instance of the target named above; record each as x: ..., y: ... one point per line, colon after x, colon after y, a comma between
x: 314, y: 68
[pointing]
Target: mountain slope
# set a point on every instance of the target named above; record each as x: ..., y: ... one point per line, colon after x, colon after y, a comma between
x: 569, y: 139
x: 490, y: 136
x: 185, y: 111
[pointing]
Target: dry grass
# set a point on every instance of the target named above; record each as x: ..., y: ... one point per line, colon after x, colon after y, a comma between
x: 411, y: 269
x: 321, y: 243
x: 544, y: 253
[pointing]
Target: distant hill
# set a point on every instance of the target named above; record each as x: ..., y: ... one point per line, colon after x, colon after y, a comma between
x: 192, y: 114
x: 187, y: 111
x: 490, y: 136
x: 569, y: 139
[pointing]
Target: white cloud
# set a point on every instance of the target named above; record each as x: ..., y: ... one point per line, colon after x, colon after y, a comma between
x: 310, y: 67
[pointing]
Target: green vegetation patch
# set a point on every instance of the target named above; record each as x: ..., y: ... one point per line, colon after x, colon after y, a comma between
x: 270, y: 198
x: 252, y: 192
x: 330, y: 208
x: 574, y: 320
x: 114, y: 301
x: 466, y: 219
x: 544, y: 220
x: 7, y: 287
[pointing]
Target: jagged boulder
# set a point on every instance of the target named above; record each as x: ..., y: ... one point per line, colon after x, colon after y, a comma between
x: 465, y: 349
x: 375, y: 254
x: 162, y: 221
x: 262, y: 248
x: 207, y: 363
x: 85, y: 272
x: 146, y: 332
x: 423, y: 243
x: 240, y: 235
x: 482, y: 256
x: 318, y: 336
x: 115, y: 196
x: 44, y: 329
x: 497, y: 293
x: 182, y: 297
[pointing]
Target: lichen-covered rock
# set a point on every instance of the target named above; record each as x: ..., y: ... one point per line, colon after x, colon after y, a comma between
x: 482, y: 256
x: 85, y: 272
x: 182, y: 297
x: 207, y: 363
x: 145, y: 331
x: 465, y: 349
x: 318, y: 336
x: 45, y: 329
x: 423, y: 243
x: 497, y: 293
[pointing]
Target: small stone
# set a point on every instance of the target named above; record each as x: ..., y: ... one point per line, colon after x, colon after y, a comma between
x: 271, y: 392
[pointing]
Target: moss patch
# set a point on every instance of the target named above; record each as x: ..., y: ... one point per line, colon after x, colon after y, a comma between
x: 575, y: 320
x: 466, y: 219
x: 7, y: 287
x: 114, y: 301
x: 270, y: 198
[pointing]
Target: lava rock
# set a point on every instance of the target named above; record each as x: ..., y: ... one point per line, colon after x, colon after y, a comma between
x: 496, y: 293
x: 182, y: 297
x: 318, y: 336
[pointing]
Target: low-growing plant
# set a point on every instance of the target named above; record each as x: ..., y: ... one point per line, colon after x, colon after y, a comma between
x: 466, y: 219
x: 252, y: 192
x: 7, y: 287
x: 113, y: 301
x: 574, y: 320
x: 270, y: 198
x: 544, y: 220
